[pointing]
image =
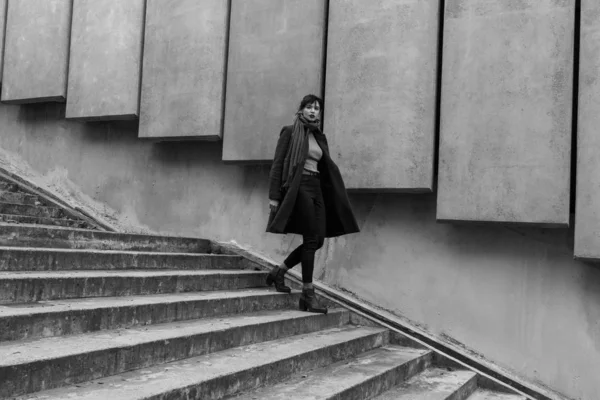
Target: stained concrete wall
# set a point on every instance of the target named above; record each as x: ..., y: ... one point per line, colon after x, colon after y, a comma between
x: 513, y: 295
x: 380, y: 95
x: 36, y: 53
x: 3, y: 4
x: 587, y: 210
x: 185, y: 50
x: 105, y: 59
x: 506, y: 105
x: 275, y: 59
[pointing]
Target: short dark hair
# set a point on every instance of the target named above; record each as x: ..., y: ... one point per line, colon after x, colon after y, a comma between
x: 309, y: 99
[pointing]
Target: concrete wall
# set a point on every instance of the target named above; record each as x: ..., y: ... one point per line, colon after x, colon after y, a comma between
x: 513, y: 295
x: 185, y: 50
x: 105, y: 59
x: 380, y: 93
x: 506, y: 108
x: 587, y: 213
x: 36, y: 53
x: 275, y: 59
x: 3, y: 4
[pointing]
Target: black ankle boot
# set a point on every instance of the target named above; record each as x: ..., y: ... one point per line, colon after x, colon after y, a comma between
x: 276, y: 277
x: 308, y: 302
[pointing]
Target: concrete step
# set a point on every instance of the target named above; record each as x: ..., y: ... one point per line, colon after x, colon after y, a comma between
x: 66, y: 317
x: 435, y: 384
x: 27, y: 287
x: 19, y: 198
x: 482, y: 394
x: 31, y: 366
x: 361, y: 378
x: 217, y: 375
x: 9, y: 186
x: 31, y: 211
x: 41, y: 259
x: 26, y: 235
x: 24, y: 219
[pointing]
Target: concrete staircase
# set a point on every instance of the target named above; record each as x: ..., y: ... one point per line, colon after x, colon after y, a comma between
x: 89, y: 314
x: 20, y: 205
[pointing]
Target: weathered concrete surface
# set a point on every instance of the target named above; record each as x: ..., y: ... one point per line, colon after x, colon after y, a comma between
x: 507, y: 88
x: 380, y: 95
x: 36, y: 52
x: 253, y: 367
x: 67, y: 238
x: 105, y: 59
x: 31, y: 210
x: 434, y: 384
x: 275, y: 59
x: 74, y: 316
x: 28, y: 287
x: 483, y: 394
x: 185, y: 50
x: 3, y: 5
x: 26, y: 219
x: 363, y: 377
x: 18, y: 198
x: 32, y: 259
x: 499, y: 291
x: 52, y: 362
x: 587, y: 212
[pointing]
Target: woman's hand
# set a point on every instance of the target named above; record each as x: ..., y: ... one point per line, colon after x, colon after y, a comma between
x: 273, y: 204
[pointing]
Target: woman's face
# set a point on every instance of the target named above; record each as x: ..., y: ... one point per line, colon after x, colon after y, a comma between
x: 312, y: 111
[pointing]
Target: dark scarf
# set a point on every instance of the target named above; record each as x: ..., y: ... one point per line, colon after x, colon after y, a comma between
x: 295, y: 155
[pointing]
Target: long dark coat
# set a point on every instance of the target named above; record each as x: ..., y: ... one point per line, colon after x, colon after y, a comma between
x: 339, y: 216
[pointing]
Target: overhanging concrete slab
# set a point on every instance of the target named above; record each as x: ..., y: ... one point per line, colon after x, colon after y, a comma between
x: 380, y: 95
x: 2, y: 31
x: 105, y: 59
x: 587, y: 208
x: 506, y: 111
x: 36, y: 52
x: 185, y: 50
x: 275, y: 59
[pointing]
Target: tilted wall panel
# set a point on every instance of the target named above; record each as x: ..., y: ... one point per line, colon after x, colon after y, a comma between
x: 184, y: 69
x: 275, y: 59
x: 2, y: 30
x: 506, y: 111
x: 105, y: 59
x: 380, y: 93
x: 587, y: 208
x: 36, y: 52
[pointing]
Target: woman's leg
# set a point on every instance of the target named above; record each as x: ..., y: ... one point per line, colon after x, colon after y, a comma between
x: 310, y: 210
x: 314, y: 235
x: 276, y: 276
x: 313, y: 238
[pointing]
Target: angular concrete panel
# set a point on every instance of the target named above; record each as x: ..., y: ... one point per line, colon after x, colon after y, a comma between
x: 380, y: 95
x: 2, y: 31
x: 105, y: 59
x: 185, y: 50
x: 275, y: 59
x: 506, y: 111
x: 36, y: 54
x: 587, y: 207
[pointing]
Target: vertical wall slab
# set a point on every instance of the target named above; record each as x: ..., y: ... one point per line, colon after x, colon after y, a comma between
x: 105, y: 59
x: 506, y: 111
x: 185, y: 50
x: 36, y: 54
x: 275, y: 59
x: 380, y: 93
x: 3, y: 4
x: 587, y: 207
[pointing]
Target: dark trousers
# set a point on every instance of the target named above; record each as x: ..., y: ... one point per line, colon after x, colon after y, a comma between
x: 310, y: 212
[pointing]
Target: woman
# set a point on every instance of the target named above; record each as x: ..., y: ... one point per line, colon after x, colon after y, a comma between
x: 307, y: 196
